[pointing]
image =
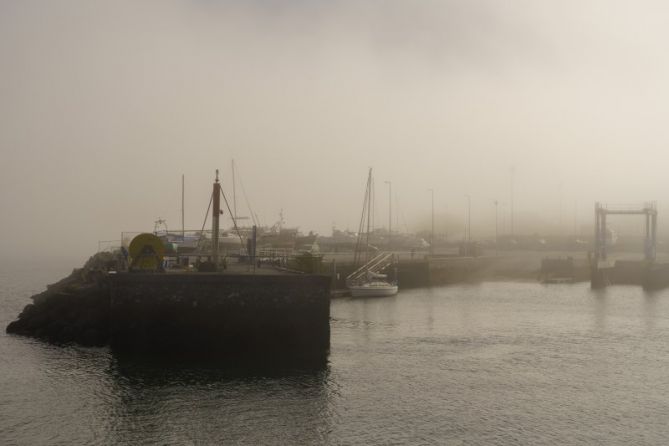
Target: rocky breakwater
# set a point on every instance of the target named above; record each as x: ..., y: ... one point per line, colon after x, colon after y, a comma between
x: 257, y: 315
x: 74, y: 310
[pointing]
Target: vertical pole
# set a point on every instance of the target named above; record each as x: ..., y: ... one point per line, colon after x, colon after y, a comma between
x: 496, y: 228
x: 503, y: 217
x: 647, y: 242
x: 214, y: 217
x: 469, y: 219
x: 372, y: 204
x: 234, y: 192
x: 597, y: 238
x: 513, y: 172
x: 369, y: 209
x: 654, y: 235
x: 390, y: 213
x: 603, y: 235
x: 183, y: 226
x: 432, y: 231
x: 560, y: 221
x: 253, y: 246
x: 397, y: 212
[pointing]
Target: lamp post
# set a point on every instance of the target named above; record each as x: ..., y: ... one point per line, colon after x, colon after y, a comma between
x: 496, y: 227
x: 469, y: 218
x: 390, y: 212
x: 511, y: 204
x: 432, y: 232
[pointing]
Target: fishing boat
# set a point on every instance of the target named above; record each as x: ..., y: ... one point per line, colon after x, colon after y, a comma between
x: 369, y: 280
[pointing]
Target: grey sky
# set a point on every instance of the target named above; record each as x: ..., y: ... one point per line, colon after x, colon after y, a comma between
x: 103, y: 105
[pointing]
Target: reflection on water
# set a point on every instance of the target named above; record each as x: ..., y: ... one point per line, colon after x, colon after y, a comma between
x: 204, y: 402
x: 600, y: 308
x: 650, y: 307
x: 495, y: 363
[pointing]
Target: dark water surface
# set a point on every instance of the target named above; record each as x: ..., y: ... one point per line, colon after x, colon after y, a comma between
x: 498, y: 363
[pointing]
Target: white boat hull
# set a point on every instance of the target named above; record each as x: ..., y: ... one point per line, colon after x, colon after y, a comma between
x: 373, y: 290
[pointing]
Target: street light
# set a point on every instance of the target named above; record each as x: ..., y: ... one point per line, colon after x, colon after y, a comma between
x: 390, y: 215
x: 469, y: 218
x: 511, y: 204
x: 496, y: 227
x: 432, y: 232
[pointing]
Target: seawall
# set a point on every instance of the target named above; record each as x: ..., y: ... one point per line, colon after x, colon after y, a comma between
x: 235, y: 314
x: 443, y: 270
x: 222, y: 313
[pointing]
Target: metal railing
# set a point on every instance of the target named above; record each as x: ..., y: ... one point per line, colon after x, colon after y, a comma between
x: 374, y: 266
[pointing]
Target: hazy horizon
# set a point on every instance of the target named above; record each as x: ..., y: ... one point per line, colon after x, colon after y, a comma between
x: 103, y: 106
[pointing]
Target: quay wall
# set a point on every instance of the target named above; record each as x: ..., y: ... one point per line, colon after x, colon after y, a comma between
x: 179, y: 313
x: 442, y: 270
x: 656, y: 277
x: 410, y: 274
x: 650, y: 275
x: 236, y: 314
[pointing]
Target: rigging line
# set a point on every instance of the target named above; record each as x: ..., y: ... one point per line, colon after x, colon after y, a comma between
x: 206, y: 216
x: 356, y: 254
x: 361, y: 225
x: 372, y: 207
x: 246, y: 199
x: 234, y: 220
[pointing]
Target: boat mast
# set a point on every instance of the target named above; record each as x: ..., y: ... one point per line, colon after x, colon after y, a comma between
x: 390, y: 213
x: 183, y: 226
x: 234, y: 190
x: 216, y: 195
x: 369, y: 208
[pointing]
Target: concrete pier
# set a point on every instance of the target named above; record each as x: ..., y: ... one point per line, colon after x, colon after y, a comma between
x: 449, y: 269
x: 211, y: 315
x: 224, y: 313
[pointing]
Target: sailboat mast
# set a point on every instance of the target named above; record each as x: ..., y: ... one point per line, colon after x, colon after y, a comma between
x: 234, y: 190
x: 369, y: 208
x: 183, y: 226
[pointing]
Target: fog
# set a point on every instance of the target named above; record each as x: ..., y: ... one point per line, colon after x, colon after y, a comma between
x: 104, y: 105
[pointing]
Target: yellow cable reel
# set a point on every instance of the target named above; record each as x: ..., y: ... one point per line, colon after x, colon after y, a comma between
x: 146, y: 251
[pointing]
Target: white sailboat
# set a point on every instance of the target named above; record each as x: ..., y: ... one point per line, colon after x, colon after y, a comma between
x: 368, y: 281
x: 376, y: 288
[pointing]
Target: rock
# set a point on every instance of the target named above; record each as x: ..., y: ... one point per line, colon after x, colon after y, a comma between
x: 74, y: 309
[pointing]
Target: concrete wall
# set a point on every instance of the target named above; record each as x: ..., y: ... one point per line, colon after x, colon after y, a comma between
x: 441, y: 270
x: 210, y: 312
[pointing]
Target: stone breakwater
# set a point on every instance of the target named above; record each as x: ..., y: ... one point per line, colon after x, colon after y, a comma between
x: 186, y: 312
x: 73, y: 310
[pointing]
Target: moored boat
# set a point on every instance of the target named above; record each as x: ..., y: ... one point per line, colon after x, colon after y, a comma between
x: 368, y: 280
x: 373, y: 289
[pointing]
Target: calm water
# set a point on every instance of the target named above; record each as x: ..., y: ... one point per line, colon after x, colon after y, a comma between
x: 498, y: 363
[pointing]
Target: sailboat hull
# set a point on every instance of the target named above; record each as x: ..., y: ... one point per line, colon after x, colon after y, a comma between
x: 373, y: 290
